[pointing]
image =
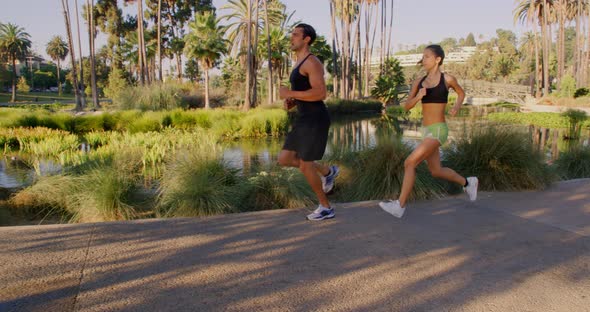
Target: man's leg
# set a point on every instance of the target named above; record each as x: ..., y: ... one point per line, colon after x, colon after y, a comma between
x: 309, y: 170
x: 289, y: 159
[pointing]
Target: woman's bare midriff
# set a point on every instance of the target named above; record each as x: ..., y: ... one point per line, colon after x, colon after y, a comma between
x: 433, y: 113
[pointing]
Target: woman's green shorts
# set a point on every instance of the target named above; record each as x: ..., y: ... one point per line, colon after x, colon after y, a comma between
x: 438, y: 131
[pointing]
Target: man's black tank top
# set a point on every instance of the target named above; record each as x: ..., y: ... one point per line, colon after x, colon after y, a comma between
x: 438, y: 94
x: 301, y: 83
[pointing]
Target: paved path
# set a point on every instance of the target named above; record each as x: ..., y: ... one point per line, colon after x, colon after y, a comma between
x: 525, y: 251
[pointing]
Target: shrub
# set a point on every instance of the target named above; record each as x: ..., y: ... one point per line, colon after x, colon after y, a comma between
x: 502, y: 158
x: 574, y: 163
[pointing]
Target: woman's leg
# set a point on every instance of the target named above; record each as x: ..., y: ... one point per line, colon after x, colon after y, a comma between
x: 423, y: 151
x: 440, y: 172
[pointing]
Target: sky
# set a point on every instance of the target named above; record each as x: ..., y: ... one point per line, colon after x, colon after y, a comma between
x: 414, y: 21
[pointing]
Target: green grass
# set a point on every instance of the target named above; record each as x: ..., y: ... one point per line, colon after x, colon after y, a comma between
x: 225, y: 123
x: 502, y: 158
x: 377, y: 173
x: 196, y: 182
x: 545, y: 120
x: 32, y: 96
x: 574, y: 163
x: 277, y: 188
x: 102, y: 192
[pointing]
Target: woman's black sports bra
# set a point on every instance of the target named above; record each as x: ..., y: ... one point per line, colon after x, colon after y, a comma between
x: 438, y: 94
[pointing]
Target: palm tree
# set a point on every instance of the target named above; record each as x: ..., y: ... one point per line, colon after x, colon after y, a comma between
x: 528, y: 45
x: 239, y: 34
x: 66, y: 12
x: 91, y: 37
x: 81, y: 86
x: 335, y: 48
x: 368, y: 45
x: 242, y: 28
x: 536, y: 12
x: 577, y: 11
x: 15, y: 44
x: 278, y: 46
x: 205, y: 42
x: 142, y: 62
x: 58, y: 50
x: 269, y: 53
x: 159, y: 22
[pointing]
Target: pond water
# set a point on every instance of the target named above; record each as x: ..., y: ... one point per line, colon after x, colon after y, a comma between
x: 351, y: 134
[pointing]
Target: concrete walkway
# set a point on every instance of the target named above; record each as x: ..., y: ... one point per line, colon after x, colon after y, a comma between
x: 526, y: 251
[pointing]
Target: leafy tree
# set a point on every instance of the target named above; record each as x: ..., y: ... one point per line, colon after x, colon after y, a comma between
x: 470, y: 41
x: 15, y: 44
x: 22, y: 85
x: 390, y: 79
x: 58, y: 50
x: 205, y: 42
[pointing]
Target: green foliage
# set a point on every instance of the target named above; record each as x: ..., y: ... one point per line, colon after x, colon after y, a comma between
x: 574, y: 163
x: 116, y: 85
x: 101, y: 193
x: 581, y: 92
x: 568, y: 86
x: 377, y: 173
x: 545, y: 120
x: 278, y: 188
x: 22, y: 85
x: 154, y: 97
x: 470, y: 40
x: 503, y: 159
x: 390, y: 79
x: 575, y: 119
x: 197, y: 183
x: 321, y: 49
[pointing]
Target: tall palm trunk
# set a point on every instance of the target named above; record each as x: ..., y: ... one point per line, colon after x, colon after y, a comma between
x: 14, y: 78
x: 389, y: 39
x: 538, y: 73
x: 206, y: 69
x: 247, y: 100
x: 383, y: 23
x: 266, y: 27
x: 343, y: 50
x: 546, y: 38
x: 334, y: 48
x: 140, y: 60
x: 366, y: 54
x: 66, y: 11
x: 586, y: 56
x: 143, y: 47
x: 578, y: 46
x: 561, y: 42
x: 160, y: 78
x: 346, y: 47
x: 58, y: 77
x: 91, y: 32
x: 255, y: 58
x: 81, y: 84
x: 359, y: 69
x: 374, y: 34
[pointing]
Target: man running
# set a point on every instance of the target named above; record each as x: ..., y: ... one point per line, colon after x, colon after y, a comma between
x: 307, y: 140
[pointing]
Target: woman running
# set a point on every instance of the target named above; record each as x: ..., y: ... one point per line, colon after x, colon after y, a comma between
x: 433, y: 91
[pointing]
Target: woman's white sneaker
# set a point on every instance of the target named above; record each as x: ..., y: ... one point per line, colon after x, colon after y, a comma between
x: 471, y: 188
x: 393, y: 207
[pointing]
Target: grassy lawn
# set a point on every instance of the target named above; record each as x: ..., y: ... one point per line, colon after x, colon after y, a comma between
x: 35, y: 96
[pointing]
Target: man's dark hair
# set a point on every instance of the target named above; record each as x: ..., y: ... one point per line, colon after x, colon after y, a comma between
x: 308, y: 31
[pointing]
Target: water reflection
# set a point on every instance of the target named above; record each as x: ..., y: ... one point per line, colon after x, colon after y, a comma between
x: 356, y: 134
x: 350, y: 134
